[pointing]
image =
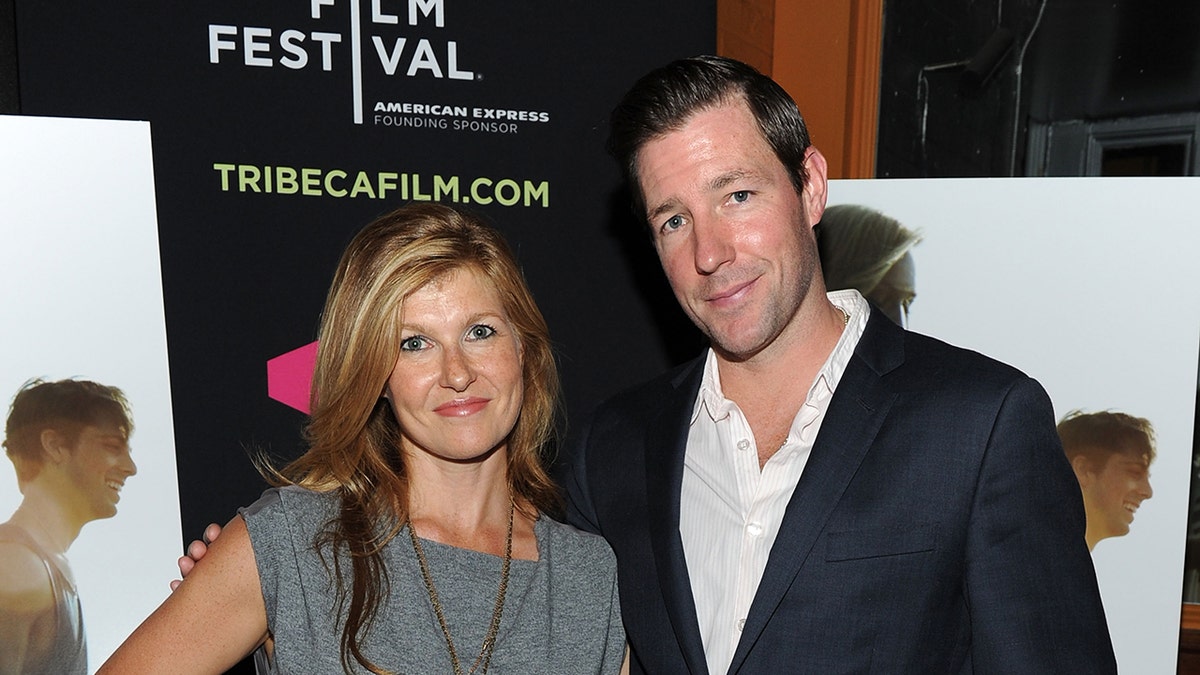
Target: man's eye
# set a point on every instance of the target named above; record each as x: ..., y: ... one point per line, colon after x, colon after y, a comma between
x: 412, y: 344
x: 673, y: 223
x: 481, y: 332
x: 740, y: 196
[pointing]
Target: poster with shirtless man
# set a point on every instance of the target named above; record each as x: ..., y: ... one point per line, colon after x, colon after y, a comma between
x: 89, y: 507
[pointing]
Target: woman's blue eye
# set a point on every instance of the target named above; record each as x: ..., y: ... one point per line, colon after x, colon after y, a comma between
x: 412, y: 344
x: 481, y: 332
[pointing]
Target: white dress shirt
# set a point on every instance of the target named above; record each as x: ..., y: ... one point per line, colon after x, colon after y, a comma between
x: 730, y: 510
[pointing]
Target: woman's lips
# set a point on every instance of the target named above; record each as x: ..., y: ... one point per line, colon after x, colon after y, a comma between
x: 461, y: 407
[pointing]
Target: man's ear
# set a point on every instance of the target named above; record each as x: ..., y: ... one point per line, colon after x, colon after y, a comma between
x: 1083, y: 470
x: 54, y: 445
x: 817, y: 186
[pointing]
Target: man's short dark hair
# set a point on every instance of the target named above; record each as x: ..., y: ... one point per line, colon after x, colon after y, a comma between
x: 67, y: 406
x: 664, y: 100
x: 1099, y: 435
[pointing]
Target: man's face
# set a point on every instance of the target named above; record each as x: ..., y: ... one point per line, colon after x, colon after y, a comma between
x: 734, y: 238
x: 1113, y: 494
x: 96, y: 469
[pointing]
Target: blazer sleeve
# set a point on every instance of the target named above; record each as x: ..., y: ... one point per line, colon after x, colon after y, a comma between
x: 580, y: 511
x: 1030, y: 585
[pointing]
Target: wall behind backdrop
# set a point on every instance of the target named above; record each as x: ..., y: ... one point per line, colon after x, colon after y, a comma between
x: 280, y: 130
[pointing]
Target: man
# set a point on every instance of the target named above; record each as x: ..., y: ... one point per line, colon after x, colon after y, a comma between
x: 1111, y: 453
x: 821, y: 491
x: 69, y: 443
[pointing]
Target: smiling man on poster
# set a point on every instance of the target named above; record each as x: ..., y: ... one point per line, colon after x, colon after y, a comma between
x: 821, y: 491
x: 69, y: 443
x: 1111, y: 453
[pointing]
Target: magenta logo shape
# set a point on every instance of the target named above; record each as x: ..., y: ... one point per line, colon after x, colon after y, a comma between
x: 289, y: 376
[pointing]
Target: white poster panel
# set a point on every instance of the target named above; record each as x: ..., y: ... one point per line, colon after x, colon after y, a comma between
x: 81, y: 297
x: 1092, y: 286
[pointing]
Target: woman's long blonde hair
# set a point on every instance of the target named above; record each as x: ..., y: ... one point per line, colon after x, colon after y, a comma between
x: 354, y: 439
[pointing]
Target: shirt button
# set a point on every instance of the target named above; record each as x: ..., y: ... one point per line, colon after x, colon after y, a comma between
x: 743, y: 444
x: 741, y: 624
x: 754, y: 529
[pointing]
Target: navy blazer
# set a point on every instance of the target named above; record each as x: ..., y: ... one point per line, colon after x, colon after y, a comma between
x: 937, y: 528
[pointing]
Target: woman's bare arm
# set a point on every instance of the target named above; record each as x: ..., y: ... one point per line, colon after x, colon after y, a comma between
x: 209, y: 623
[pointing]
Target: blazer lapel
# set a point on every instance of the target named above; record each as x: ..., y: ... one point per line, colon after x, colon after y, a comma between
x: 666, y: 441
x: 855, y: 414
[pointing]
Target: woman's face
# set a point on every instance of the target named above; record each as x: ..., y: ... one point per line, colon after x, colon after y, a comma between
x: 457, y: 385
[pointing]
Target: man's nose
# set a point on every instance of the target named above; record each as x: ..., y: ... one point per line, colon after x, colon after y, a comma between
x: 128, y: 465
x: 711, y: 245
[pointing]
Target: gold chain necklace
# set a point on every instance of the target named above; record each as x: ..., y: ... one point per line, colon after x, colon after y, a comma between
x: 489, y: 641
x: 845, y: 315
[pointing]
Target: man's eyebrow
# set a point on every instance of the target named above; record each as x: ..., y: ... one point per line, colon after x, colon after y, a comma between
x: 723, y: 181
x: 720, y: 182
x: 668, y: 205
x: 117, y: 434
x: 114, y: 439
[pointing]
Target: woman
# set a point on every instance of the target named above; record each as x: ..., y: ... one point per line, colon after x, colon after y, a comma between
x: 409, y: 538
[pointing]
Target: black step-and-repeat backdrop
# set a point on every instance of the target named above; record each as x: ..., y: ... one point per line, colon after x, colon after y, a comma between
x: 280, y: 128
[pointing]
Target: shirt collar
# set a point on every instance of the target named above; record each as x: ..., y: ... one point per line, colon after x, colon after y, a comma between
x: 711, y: 398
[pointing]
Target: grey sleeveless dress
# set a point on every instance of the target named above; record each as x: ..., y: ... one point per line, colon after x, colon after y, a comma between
x: 561, y: 614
